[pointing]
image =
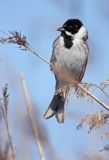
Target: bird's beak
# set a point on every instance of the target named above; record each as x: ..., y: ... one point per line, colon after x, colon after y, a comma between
x: 61, y: 29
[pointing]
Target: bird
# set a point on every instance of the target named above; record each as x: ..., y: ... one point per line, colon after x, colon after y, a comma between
x: 68, y: 63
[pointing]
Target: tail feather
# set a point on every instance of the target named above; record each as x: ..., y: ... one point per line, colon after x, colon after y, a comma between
x: 49, y: 113
x: 56, y: 108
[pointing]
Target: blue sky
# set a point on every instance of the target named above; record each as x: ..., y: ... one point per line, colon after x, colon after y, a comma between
x: 39, y: 20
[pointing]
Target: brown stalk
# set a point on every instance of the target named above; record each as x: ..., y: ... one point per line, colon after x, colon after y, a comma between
x: 8, y: 133
x: 32, y: 119
x: 38, y: 55
x: 4, y: 105
x: 93, y: 97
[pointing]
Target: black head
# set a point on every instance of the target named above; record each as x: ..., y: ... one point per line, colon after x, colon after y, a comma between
x: 71, y: 25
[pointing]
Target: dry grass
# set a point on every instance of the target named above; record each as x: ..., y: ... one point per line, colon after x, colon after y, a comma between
x: 34, y: 124
x: 4, y: 107
x: 17, y: 38
x: 84, y: 90
x: 95, y: 121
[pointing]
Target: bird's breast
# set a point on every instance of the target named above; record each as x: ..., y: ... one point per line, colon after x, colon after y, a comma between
x: 69, y: 64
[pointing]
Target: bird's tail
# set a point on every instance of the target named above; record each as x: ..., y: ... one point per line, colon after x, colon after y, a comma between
x: 56, y: 108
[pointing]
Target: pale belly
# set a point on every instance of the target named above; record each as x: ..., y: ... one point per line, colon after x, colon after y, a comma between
x: 69, y: 65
